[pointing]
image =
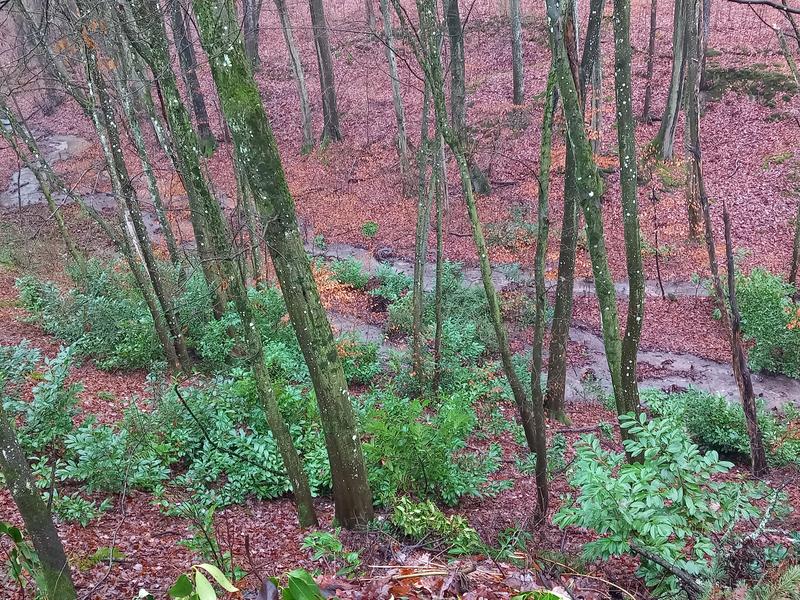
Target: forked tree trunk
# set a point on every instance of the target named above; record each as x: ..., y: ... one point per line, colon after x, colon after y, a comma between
x: 220, y: 242
x: 590, y: 189
x: 299, y: 76
x: 424, y: 190
x: 38, y: 522
x: 331, y: 130
x: 651, y: 51
x: 188, y: 62
x: 731, y: 320
x: 397, y: 99
x: 664, y: 142
x: 626, y: 135
x: 252, y: 135
x: 517, y: 59
x: 540, y: 322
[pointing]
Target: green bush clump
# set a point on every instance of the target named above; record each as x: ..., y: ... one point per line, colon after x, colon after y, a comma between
x: 718, y: 424
x: 392, y: 284
x: 360, y: 360
x: 424, y: 521
x: 350, y: 272
x: 668, y: 503
x: 771, y: 319
x: 417, y: 448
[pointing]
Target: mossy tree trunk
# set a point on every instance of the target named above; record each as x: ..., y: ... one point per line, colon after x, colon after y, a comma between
x: 331, y: 130
x: 188, y: 63
x: 626, y: 136
x: 651, y: 51
x: 255, y: 142
x: 221, y: 248
x: 38, y: 521
x: 540, y: 321
x: 299, y: 75
x: 440, y: 194
x: 589, y: 187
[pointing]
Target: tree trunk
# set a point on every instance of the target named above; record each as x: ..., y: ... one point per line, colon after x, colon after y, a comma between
x: 399, y: 113
x: 731, y: 320
x: 421, y: 242
x: 38, y: 521
x: 104, y: 118
x: 517, y: 59
x: 590, y: 189
x: 540, y: 324
x: 188, y: 62
x: 371, y: 15
x: 440, y: 191
x: 795, y: 249
x: 330, y: 111
x: 562, y: 310
x: 591, y: 48
x: 252, y: 135
x: 664, y: 142
x: 626, y: 135
x: 221, y: 248
x: 251, y: 21
x: 299, y: 76
x: 651, y: 51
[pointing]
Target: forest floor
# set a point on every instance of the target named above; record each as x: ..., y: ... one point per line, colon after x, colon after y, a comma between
x: 751, y: 130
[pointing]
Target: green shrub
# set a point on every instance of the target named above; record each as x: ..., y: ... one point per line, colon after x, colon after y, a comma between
x: 770, y: 318
x: 359, y: 359
x: 393, y: 284
x: 414, y: 448
x: 76, y: 509
x: 424, y: 521
x: 328, y: 547
x: 718, y: 424
x: 369, y: 229
x: 668, y: 504
x: 350, y: 272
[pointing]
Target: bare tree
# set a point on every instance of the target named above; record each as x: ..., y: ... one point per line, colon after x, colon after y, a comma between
x: 330, y: 111
x: 517, y: 59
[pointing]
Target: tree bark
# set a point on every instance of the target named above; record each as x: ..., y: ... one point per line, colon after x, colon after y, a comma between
x: 38, y: 521
x: 331, y: 130
x: 626, y: 136
x: 188, y: 63
x: 251, y: 21
x: 370, y: 15
x: 517, y: 59
x: 421, y: 242
x: 397, y: 99
x: 731, y: 320
x: 252, y: 135
x: 664, y: 142
x: 540, y: 325
x: 299, y: 76
x: 440, y: 192
x: 795, y: 249
x: 651, y: 51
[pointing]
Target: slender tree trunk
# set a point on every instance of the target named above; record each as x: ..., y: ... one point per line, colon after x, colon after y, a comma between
x: 38, y: 521
x: 188, y: 62
x: 540, y: 323
x: 626, y: 135
x: 252, y: 29
x: 517, y: 59
x: 252, y: 135
x: 299, y: 76
x: 590, y: 189
x: 591, y: 48
x: 664, y: 142
x: 370, y: 15
x: 397, y: 99
x: 731, y: 320
x: 421, y: 242
x: 787, y: 55
x: 562, y: 310
x: 651, y: 51
x: 440, y: 191
x: 331, y: 130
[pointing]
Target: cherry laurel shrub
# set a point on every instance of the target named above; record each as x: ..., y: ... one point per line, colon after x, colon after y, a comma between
x: 669, y: 503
